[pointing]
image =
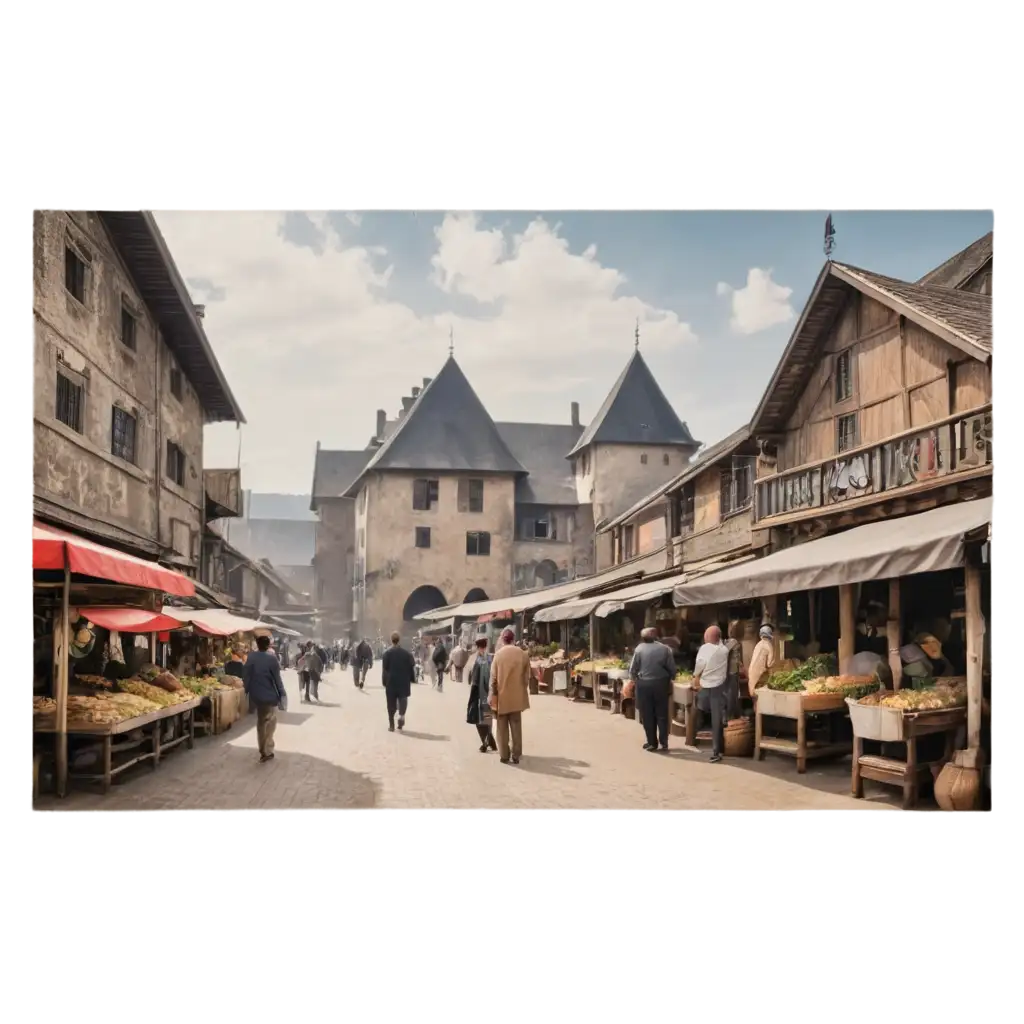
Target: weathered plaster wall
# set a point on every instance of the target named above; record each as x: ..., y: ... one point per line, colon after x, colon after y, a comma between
x: 335, y: 562
x: 622, y: 477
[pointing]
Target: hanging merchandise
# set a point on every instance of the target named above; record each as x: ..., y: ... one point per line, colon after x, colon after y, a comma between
x: 83, y: 639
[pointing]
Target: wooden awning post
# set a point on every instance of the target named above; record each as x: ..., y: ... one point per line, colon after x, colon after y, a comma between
x: 593, y: 657
x: 62, y: 655
x: 894, y: 633
x: 152, y: 647
x: 975, y: 653
x: 847, y: 624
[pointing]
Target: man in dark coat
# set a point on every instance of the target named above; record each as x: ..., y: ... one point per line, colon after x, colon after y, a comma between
x: 262, y: 680
x: 398, y: 669
x: 440, y: 660
x: 362, y: 661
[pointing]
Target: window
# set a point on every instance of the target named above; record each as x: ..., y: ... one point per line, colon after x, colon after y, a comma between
x: 471, y: 495
x: 478, y: 543
x: 844, y: 376
x: 846, y: 432
x: 628, y: 534
x: 175, y: 464
x: 70, y: 400
x: 74, y: 274
x: 735, y: 493
x: 424, y: 494
x: 665, y: 459
x: 686, y: 508
x: 423, y: 536
x: 542, y: 529
x: 122, y: 435
x: 643, y: 459
x: 127, y: 329
x: 176, y: 384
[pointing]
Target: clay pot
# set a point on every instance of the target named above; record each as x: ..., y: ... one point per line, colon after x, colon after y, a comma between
x: 957, y: 788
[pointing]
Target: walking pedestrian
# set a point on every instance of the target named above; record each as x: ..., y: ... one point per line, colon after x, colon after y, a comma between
x: 709, y: 675
x: 460, y: 658
x: 313, y: 671
x: 262, y: 682
x: 362, y: 660
x: 652, y: 670
x: 397, y: 672
x: 478, y: 711
x: 440, y: 661
x: 510, y: 696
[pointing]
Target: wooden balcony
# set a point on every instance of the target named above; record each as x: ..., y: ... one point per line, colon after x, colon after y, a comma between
x: 954, y: 449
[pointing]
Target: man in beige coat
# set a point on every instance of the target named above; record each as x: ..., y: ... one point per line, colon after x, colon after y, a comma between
x: 510, y: 696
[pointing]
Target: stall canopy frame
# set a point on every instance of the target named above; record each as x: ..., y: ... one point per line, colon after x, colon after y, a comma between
x: 925, y: 542
x: 130, y: 620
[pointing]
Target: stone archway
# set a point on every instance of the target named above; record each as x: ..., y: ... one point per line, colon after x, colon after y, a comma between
x: 423, y: 599
x: 476, y: 594
x: 545, y: 573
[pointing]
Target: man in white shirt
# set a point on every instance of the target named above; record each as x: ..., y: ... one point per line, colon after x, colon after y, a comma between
x: 709, y: 675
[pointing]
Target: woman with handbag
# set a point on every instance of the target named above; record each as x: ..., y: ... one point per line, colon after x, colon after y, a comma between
x: 478, y: 711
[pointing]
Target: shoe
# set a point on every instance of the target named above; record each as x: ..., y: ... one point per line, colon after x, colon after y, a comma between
x: 664, y: 746
x: 266, y: 757
x: 715, y: 758
x: 484, y: 748
x: 492, y: 743
x: 391, y: 727
x: 648, y: 746
x: 515, y: 760
x: 401, y: 724
x: 504, y: 760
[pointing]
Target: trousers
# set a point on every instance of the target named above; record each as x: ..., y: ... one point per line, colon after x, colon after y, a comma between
x: 398, y: 704
x: 311, y: 682
x: 652, y: 705
x: 511, y: 723
x: 714, y: 701
x: 266, y: 723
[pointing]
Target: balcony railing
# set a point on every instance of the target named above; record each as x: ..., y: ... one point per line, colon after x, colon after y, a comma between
x: 940, y: 451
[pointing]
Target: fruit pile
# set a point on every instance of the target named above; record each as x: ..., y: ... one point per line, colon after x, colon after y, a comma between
x: 44, y: 706
x: 158, y: 696
x: 919, y: 700
x: 203, y: 686
x: 792, y: 680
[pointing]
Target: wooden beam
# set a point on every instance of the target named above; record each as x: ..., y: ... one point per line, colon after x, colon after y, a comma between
x: 62, y: 656
x: 975, y: 651
x: 894, y: 633
x: 847, y: 624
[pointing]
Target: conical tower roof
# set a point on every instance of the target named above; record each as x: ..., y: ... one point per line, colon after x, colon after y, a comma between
x: 636, y: 411
x: 446, y: 430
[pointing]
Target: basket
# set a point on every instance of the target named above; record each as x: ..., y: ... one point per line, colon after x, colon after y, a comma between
x: 739, y: 739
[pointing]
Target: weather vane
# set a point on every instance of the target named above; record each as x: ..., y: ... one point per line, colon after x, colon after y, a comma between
x: 636, y: 334
x: 451, y: 341
x: 830, y: 237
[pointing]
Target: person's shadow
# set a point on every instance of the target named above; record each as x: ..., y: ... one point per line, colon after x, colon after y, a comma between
x: 425, y: 735
x: 559, y: 767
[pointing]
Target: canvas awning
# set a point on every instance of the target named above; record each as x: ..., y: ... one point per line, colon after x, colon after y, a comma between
x: 215, y: 621
x: 435, y: 628
x: 926, y: 542
x: 55, y: 549
x: 130, y: 620
x: 560, y: 592
x: 568, y: 611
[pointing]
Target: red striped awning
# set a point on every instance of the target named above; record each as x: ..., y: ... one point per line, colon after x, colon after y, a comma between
x: 129, y: 620
x: 55, y: 549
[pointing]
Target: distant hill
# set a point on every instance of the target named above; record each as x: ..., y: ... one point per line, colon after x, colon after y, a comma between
x: 279, y: 506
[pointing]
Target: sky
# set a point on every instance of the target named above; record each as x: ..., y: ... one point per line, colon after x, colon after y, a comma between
x: 319, y: 318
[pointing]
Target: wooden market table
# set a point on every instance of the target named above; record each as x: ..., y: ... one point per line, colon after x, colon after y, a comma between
x: 151, y: 725
x: 219, y: 710
x: 877, y: 725
x: 798, y: 707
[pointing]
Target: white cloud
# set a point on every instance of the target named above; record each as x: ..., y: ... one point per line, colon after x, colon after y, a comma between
x: 760, y: 304
x: 313, y: 343
x: 354, y: 218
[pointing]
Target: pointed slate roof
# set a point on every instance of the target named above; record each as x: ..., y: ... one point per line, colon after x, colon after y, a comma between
x: 447, y: 429
x: 962, y: 266
x: 636, y: 411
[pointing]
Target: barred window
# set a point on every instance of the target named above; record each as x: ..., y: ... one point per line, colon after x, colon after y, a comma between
x: 175, y: 464
x: 70, y: 401
x: 122, y: 435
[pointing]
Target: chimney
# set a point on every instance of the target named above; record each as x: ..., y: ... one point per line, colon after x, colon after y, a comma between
x: 575, y: 413
x: 382, y: 419
x: 406, y: 403
x: 200, y: 312
x: 415, y: 392
x: 426, y: 381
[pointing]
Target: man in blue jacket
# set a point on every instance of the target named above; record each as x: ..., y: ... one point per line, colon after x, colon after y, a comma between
x: 262, y: 680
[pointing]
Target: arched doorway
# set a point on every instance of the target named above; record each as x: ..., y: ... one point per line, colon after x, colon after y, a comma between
x: 545, y: 573
x: 423, y: 599
x: 476, y: 594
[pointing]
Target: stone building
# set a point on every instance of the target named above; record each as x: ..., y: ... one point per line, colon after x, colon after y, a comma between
x: 446, y: 505
x: 124, y: 381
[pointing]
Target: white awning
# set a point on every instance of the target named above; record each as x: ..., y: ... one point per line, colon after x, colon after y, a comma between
x: 444, y: 626
x: 568, y: 611
x: 653, y: 562
x: 215, y: 620
x: 926, y: 542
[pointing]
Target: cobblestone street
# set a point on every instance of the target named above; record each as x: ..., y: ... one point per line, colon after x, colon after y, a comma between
x: 340, y: 754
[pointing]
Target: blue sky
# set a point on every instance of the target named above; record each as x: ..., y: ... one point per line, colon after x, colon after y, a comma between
x: 321, y: 318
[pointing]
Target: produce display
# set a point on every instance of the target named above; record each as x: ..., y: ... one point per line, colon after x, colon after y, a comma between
x: 100, y: 681
x: 544, y: 650
x: 160, y: 697
x: 849, y: 686
x: 601, y: 665
x: 684, y: 676
x: 203, y: 686
x: 44, y: 706
x: 934, y: 699
x: 792, y: 680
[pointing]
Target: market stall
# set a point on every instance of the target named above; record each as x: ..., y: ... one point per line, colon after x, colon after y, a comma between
x: 66, y: 565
